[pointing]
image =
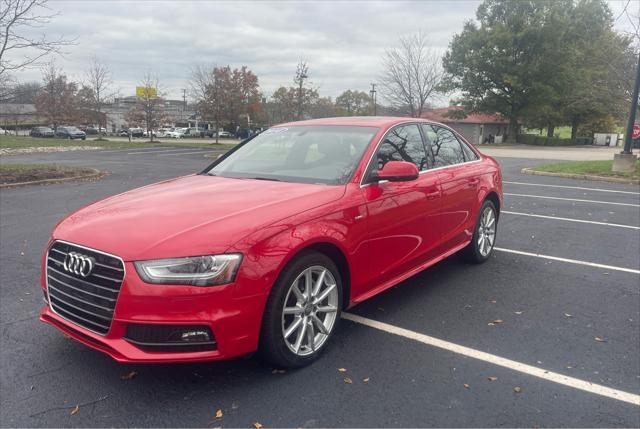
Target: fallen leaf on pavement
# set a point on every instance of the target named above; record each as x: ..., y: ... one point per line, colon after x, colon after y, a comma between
x: 492, y: 378
x: 466, y: 386
x: 365, y: 380
x: 257, y: 425
x: 517, y: 312
x: 497, y: 321
x: 568, y: 315
x: 517, y: 389
x: 128, y: 376
x: 348, y: 380
x: 219, y: 414
x: 600, y: 339
x: 75, y: 410
x: 342, y: 369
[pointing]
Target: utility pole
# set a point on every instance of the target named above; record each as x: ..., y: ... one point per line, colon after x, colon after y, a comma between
x: 184, y: 103
x: 625, y: 161
x: 372, y: 94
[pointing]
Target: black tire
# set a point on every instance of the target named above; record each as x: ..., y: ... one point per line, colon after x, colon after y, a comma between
x: 472, y: 253
x: 273, y: 347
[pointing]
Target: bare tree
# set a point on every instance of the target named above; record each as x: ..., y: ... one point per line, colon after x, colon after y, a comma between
x: 305, y: 95
x: 56, y: 101
x: 205, y: 88
x: 412, y: 74
x: 18, y: 48
x: 149, y: 108
x: 99, y: 83
x: 302, y: 74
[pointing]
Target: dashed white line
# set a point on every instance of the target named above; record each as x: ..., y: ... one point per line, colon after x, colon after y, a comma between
x: 572, y: 187
x: 160, y: 151
x: 573, y: 199
x: 185, y: 153
x: 134, y: 148
x: 534, y: 371
x: 569, y: 261
x: 593, y: 222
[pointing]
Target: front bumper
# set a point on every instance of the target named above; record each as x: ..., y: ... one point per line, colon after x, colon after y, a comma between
x: 234, y: 320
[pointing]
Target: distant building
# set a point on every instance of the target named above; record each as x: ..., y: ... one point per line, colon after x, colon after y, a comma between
x: 475, y: 127
x: 14, y: 114
x: 117, y: 111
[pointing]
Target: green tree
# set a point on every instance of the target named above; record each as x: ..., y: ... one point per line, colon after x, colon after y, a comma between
x: 502, y: 63
x: 354, y: 103
x: 595, y: 87
x: 542, y: 63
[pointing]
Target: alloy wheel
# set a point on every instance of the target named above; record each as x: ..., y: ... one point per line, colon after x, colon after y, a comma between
x: 310, y: 310
x: 487, y: 231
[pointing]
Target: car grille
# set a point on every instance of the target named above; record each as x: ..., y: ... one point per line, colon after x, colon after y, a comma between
x: 86, y: 301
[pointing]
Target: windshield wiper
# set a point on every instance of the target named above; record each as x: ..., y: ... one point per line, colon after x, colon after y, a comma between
x: 265, y: 178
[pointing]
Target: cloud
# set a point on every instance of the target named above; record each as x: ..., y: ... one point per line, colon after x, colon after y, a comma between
x: 342, y: 41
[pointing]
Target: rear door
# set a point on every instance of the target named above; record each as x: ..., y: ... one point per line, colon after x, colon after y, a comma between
x: 458, y: 177
x: 402, y: 220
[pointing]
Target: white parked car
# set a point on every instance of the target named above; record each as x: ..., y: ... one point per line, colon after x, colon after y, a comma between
x: 177, y: 133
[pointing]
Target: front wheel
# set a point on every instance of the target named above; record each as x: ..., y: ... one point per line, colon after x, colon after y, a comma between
x: 302, y: 311
x: 484, y: 235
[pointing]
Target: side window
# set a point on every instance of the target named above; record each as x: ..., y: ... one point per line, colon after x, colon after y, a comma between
x: 445, y: 147
x: 403, y: 143
x: 469, y: 155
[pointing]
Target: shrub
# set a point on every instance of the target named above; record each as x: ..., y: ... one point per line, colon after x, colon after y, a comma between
x: 536, y: 140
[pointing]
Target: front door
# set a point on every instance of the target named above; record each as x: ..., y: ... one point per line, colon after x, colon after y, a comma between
x: 402, y: 217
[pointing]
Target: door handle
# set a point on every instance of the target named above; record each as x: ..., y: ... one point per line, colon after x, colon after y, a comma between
x: 432, y: 193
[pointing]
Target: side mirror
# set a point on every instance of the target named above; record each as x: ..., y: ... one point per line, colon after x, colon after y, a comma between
x: 397, y: 171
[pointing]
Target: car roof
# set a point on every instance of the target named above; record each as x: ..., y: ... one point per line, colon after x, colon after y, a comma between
x: 362, y: 121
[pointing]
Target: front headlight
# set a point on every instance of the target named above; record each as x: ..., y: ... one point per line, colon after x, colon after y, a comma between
x: 206, y: 270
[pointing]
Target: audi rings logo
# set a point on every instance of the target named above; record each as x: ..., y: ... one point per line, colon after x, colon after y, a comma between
x: 79, y: 264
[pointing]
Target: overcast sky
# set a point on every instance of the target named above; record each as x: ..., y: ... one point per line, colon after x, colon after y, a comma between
x: 342, y: 41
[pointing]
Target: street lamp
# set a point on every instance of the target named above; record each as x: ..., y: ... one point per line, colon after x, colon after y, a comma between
x: 625, y: 161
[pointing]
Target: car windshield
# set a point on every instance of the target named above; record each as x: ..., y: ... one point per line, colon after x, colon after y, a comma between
x: 72, y: 129
x: 305, y: 154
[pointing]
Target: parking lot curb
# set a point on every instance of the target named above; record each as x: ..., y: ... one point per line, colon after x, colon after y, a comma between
x: 95, y: 175
x: 581, y: 176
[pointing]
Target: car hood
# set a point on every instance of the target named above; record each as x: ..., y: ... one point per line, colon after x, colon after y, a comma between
x: 188, y: 216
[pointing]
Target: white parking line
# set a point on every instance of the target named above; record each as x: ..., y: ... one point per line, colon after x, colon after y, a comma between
x: 185, y: 153
x: 161, y: 151
x: 132, y: 148
x: 572, y: 187
x: 542, y: 373
x: 572, y: 199
x: 593, y: 222
x: 569, y: 261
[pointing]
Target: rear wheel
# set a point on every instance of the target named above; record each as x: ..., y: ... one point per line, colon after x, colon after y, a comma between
x: 302, y: 311
x: 484, y: 235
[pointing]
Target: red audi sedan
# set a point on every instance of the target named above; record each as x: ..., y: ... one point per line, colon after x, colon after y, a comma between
x: 264, y: 248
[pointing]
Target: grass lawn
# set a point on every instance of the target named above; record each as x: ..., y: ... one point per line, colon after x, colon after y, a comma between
x: 596, y: 168
x: 22, y: 142
x: 19, y: 173
x: 562, y: 132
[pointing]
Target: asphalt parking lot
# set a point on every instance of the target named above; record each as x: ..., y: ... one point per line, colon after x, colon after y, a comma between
x: 544, y: 334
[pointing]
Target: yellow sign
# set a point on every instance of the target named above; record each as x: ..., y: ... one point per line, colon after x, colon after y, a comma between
x: 146, y: 92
